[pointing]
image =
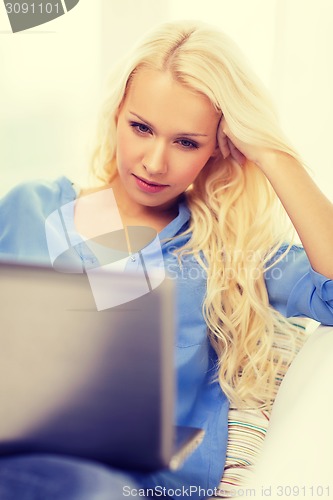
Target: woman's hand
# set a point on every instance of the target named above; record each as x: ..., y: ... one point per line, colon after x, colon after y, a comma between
x: 309, y: 210
x: 238, y: 150
x: 226, y: 144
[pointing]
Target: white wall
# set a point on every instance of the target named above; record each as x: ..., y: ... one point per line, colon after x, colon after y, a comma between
x: 50, y: 80
x: 51, y: 76
x: 247, y: 22
x: 302, y: 81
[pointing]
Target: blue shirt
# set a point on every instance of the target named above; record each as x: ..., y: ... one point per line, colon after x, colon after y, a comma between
x: 294, y: 289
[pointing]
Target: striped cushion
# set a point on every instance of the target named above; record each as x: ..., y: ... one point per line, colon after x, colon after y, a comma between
x: 247, y: 430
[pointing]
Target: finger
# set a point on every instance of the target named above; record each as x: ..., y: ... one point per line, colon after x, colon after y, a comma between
x: 224, y: 147
x: 235, y: 153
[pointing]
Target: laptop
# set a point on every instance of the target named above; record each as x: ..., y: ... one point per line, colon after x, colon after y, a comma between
x: 94, y: 384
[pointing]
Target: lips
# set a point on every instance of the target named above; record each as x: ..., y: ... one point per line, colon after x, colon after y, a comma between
x: 150, y: 183
x: 148, y: 186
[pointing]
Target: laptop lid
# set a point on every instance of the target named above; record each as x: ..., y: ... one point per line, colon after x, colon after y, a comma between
x: 74, y: 380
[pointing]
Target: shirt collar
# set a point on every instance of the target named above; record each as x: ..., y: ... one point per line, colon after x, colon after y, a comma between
x: 179, y: 222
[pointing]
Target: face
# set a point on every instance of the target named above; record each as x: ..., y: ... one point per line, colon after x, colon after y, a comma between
x: 165, y: 136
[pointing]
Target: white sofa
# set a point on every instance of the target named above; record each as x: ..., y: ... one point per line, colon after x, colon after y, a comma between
x: 297, y: 454
x: 295, y: 459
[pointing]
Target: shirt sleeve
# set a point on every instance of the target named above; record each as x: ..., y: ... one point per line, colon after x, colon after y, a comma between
x: 23, y: 211
x: 295, y: 289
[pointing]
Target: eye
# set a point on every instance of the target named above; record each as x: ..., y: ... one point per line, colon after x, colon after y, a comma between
x: 187, y: 144
x: 141, y: 128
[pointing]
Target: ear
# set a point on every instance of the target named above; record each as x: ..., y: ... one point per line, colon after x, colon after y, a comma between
x: 222, y: 139
x: 117, y: 115
x: 216, y: 152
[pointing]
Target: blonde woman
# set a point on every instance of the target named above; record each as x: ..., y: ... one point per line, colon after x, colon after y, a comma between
x: 190, y: 144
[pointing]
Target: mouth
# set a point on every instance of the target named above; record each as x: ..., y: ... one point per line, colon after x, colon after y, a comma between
x: 149, y: 183
x: 148, y: 186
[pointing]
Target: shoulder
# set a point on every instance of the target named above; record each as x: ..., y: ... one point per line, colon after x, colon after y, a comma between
x: 23, y: 212
x: 290, y: 261
x: 38, y: 196
x: 283, y: 271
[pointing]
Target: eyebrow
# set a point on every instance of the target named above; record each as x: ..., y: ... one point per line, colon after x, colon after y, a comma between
x: 192, y: 134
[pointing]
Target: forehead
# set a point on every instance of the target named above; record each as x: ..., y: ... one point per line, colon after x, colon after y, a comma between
x: 158, y: 97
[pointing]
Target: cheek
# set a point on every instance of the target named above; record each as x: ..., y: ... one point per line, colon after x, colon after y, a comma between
x: 201, y: 160
x: 192, y: 166
x: 129, y: 147
x: 186, y: 174
x: 123, y: 148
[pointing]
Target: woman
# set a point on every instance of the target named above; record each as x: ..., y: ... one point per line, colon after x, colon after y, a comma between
x: 190, y: 145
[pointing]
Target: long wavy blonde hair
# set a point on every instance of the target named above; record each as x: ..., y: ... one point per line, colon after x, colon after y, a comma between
x: 237, y: 222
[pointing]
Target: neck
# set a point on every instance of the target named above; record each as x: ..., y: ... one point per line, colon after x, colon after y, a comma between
x: 130, y: 210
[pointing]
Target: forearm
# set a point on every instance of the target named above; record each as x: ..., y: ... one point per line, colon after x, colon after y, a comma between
x: 309, y: 210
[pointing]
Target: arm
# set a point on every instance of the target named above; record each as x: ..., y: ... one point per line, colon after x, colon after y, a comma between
x: 309, y: 210
x: 295, y: 289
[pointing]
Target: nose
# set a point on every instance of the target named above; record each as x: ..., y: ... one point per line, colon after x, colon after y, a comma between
x: 155, y: 159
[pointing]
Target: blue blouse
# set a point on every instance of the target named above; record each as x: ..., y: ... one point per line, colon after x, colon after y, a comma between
x: 294, y: 289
